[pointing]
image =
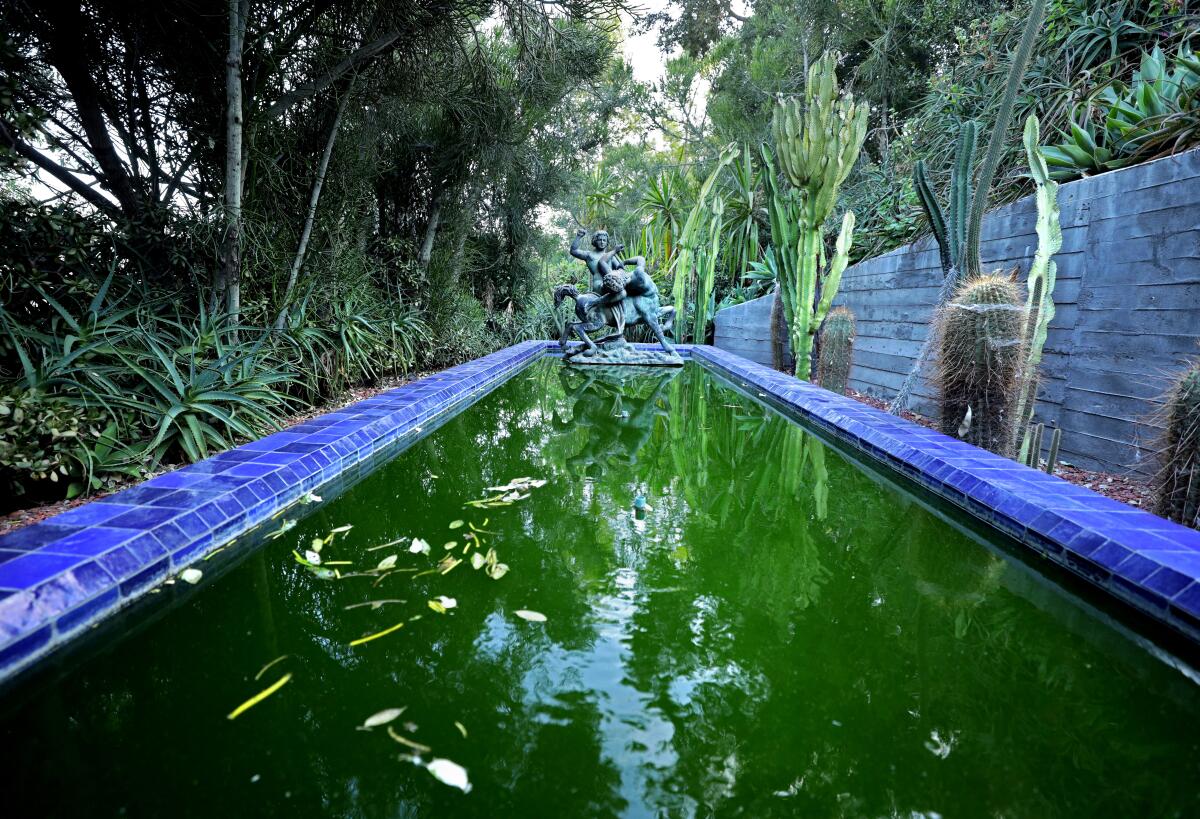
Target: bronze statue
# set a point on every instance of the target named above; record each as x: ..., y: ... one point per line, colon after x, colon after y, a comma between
x: 617, y: 299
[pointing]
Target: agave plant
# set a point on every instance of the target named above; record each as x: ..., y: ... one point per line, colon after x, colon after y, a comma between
x: 1122, y: 124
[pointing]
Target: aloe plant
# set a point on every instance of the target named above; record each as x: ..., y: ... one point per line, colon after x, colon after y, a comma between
x: 816, y: 144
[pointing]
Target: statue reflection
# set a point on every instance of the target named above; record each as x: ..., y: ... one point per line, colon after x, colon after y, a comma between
x: 618, y: 406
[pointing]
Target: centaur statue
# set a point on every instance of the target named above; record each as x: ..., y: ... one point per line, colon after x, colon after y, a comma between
x: 617, y: 299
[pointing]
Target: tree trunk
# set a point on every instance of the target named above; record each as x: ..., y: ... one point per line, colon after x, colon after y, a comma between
x: 313, y: 199
x: 435, y: 215
x: 229, y: 279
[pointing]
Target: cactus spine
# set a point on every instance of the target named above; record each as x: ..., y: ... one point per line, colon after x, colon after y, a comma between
x: 1177, y: 485
x: 816, y: 145
x: 980, y: 359
x: 1039, y: 305
x: 837, y: 350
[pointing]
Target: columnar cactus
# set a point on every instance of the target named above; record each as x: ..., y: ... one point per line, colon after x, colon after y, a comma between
x: 837, y: 350
x: 1177, y: 485
x: 981, y: 350
x: 816, y: 142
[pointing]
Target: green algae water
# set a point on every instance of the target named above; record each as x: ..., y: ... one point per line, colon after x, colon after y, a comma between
x: 776, y: 632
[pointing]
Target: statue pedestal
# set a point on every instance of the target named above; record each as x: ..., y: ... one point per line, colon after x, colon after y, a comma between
x: 622, y: 352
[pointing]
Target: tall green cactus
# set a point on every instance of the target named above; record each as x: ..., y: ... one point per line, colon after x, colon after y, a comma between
x: 693, y: 244
x: 972, y: 265
x: 816, y: 145
x: 979, y: 362
x: 837, y: 350
x: 1177, y: 484
x: 1039, y: 304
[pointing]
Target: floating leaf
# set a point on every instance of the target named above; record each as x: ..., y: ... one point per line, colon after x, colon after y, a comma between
x: 531, y: 616
x: 345, y: 527
x: 498, y: 571
x: 387, y: 563
x: 450, y: 773
x: 450, y: 545
x: 456, y: 524
x: 477, y: 560
x: 462, y: 729
x: 259, y: 697
x: 448, y: 563
x: 406, y: 741
x: 436, y: 606
x: 263, y: 670
x: 321, y: 573
x: 287, y: 526
x: 382, y: 718
x: 311, y: 497
x: 447, y: 602
x: 314, y: 558
x: 191, y: 576
x: 419, y: 546
x: 374, y: 604
x: 317, y: 544
x: 376, y: 635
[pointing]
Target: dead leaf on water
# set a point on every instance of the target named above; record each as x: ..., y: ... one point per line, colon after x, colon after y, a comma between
x: 450, y: 773
x: 381, y: 718
x: 531, y: 616
x: 461, y: 728
x: 498, y: 571
x: 419, y: 546
x: 403, y: 740
x: 259, y: 697
x: 191, y: 576
x: 477, y: 560
x: 456, y: 524
x: 387, y: 563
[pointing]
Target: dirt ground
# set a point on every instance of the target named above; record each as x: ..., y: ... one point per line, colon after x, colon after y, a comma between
x: 1134, y: 490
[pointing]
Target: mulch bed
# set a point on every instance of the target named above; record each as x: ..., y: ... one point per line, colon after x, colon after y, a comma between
x: 24, y: 517
x: 1134, y: 490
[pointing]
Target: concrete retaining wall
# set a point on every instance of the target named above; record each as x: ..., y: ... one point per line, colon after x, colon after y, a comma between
x: 1127, y: 299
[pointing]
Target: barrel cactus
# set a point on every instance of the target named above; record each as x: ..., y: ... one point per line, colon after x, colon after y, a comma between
x: 979, y: 334
x: 1177, y: 485
x: 837, y: 350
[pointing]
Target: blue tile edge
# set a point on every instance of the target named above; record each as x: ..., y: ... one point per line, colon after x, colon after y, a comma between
x: 70, y: 571
x: 1143, y: 560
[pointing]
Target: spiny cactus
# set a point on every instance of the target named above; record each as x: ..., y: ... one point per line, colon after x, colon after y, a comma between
x: 837, y: 350
x: 816, y: 143
x: 1039, y: 305
x: 1177, y: 485
x: 979, y: 333
x: 1031, y: 451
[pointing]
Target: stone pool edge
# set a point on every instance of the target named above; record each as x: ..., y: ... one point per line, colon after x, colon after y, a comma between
x: 1143, y: 560
x: 65, y: 573
x: 74, y: 569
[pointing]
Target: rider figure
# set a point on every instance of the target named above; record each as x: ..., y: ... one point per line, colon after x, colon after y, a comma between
x: 603, y: 265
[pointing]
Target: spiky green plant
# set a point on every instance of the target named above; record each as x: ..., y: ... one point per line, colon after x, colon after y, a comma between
x: 979, y: 333
x: 693, y: 241
x: 837, y: 350
x: 1039, y: 304
x: 1177, y: 484
x: 817, y: 141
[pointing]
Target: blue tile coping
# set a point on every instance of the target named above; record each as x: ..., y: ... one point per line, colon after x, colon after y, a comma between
x: 70, y: 571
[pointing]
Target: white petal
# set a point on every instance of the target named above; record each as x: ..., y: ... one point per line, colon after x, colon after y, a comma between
x: 419, y: 546
x: 191, y: 576
x: 447, y: 602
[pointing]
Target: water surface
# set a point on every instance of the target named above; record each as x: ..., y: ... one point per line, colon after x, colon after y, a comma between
x: 783, y: 634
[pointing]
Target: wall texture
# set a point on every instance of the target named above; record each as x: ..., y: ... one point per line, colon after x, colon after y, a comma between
x: 1127, y: 298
